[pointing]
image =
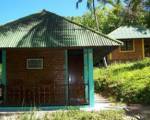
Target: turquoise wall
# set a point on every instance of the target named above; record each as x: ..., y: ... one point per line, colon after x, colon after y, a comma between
x: 88, y: 74
x: 91, y: 81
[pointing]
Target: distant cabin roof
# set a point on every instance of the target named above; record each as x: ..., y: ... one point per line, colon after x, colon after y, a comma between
x: 130, y: 32
x: 46, y: 29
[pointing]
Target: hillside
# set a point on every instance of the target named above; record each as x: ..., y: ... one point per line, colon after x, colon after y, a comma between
x: 127, y: 82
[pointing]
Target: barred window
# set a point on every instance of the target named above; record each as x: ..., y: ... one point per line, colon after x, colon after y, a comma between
x: 36, y: 63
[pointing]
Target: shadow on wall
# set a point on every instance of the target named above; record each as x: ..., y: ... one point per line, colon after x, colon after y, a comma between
x: 101, y: 52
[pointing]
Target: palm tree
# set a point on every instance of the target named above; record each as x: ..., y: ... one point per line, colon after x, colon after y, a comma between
x: 91, y: 5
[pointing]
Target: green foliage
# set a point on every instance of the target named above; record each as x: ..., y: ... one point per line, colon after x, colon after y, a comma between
x: 89, y: 3
x: 108, y: 21
x: 135, y: 12
x: 127, y: 82
x: 75, y: 115
x: 114, y: 13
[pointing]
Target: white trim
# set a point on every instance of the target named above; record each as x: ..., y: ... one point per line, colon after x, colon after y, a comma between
x: 27, y: 64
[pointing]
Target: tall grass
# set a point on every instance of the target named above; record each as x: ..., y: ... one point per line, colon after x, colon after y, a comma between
x: 74, y: 115
x: 128, y: 82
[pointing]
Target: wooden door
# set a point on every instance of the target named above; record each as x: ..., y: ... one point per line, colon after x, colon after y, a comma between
x: 76, y: 82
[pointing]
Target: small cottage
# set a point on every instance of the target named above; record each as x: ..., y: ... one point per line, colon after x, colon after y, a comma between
x: 47, y: 62
x: 136, y: 43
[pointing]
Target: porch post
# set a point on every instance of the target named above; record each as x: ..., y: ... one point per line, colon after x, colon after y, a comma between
x: 4, y: 82
x: 91, y: 81
x: 110, y: 56
x: 143, y: 49
x: 85, y: 52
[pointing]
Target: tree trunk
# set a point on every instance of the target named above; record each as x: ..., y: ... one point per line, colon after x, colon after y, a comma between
x: 95, y: 16
x: 97, y: 26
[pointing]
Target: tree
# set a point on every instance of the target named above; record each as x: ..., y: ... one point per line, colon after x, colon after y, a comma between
x: 92, y: 7
x: 147, y: 15
x: 136, y: 12
x: 114, y: 13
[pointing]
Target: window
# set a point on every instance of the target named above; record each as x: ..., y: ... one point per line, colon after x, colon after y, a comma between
x: 128, y: 45
x: 36, y: 63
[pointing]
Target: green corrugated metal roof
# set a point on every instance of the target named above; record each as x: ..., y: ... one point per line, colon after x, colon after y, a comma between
x: 47, y: 29
x: 129, y: 32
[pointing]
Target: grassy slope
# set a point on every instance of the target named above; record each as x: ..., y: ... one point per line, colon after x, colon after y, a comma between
x: 129, y: 82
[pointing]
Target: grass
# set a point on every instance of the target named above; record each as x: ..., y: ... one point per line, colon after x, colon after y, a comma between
x: 74, y: 115
x: 128, y: 82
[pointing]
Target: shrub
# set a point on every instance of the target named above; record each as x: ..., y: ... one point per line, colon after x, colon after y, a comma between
x: 128, y: 82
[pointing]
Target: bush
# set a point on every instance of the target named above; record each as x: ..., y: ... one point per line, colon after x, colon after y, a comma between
x: 127, y: 82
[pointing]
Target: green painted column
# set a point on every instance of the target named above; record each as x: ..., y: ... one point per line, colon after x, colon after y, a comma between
x: 66, y: 75
x: 4, y: 80
x: 91, y: 81
x: 85, y: 51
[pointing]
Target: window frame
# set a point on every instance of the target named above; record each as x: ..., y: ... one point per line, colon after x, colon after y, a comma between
x: 34, y: 68
x: 133, y: 48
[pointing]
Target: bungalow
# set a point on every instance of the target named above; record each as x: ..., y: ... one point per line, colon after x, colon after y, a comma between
x: 47, y: 62
x: 136, y: 43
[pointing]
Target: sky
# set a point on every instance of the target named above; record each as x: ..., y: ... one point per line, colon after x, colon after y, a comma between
x: 13, y: 9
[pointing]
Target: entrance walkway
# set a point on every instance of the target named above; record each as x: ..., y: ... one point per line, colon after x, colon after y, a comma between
x: 137, y: 111
x: 102, y: 103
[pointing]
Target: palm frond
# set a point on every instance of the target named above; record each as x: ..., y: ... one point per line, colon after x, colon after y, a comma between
x: 78, y: 2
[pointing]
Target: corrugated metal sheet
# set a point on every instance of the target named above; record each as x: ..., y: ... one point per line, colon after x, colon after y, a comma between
x: 46, y: 29
x: 129, y: 32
